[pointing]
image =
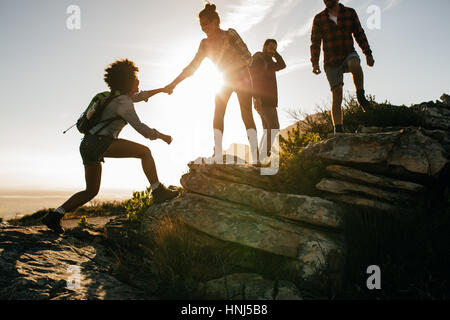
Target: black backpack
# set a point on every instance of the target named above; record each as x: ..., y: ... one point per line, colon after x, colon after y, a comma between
x: 92, y: 115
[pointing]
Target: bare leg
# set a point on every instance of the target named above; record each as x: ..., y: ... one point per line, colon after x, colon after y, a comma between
x: 336, y: 109
x: 128, y: 149
x: 245, y: 102
x: 354, y: 66
x: 222, y: 99
x: 93, y: 174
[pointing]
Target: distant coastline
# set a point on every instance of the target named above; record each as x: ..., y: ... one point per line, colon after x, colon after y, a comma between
x: 18, y: 202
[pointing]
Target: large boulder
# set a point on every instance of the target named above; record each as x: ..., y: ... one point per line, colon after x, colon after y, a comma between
x: 405, y: 153
x: 308, y: 248
x: 436, y: 115
x: 300, y: 208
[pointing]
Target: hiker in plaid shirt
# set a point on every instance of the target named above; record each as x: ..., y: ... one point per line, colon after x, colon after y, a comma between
x: 335, y: 28
x: 227, y: 50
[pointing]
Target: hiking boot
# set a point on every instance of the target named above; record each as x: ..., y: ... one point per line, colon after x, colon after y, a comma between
x: 162, y: 194
x: 363, y: 102
x: 53, y: 221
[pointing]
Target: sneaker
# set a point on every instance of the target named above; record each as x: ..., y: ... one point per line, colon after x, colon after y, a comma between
x: 53, y: 221
x: 363, y: 102
x: 162, y: 194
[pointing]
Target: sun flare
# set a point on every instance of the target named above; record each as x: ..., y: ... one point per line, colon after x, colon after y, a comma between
x: 208, y: 78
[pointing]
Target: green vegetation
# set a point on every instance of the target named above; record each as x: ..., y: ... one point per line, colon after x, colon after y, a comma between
x: 83, y: 222
x: 138, y: 204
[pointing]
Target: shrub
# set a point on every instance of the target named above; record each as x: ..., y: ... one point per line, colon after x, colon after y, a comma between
x: 138, y: 204
x: 83, y: 222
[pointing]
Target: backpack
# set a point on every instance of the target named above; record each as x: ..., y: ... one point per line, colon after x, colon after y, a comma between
x: 93, y: 113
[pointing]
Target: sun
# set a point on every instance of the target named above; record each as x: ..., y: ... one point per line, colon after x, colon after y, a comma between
x: 207, y: 78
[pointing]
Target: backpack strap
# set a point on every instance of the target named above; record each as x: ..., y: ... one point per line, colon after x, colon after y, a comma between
x: 107, y: 122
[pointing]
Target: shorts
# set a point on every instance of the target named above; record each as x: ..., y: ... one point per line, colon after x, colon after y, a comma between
x: 92, y: 148
x: 335, y: 75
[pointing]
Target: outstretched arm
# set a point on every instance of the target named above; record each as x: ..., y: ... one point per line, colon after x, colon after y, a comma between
x: 145, y: 95
x: 190, y: 69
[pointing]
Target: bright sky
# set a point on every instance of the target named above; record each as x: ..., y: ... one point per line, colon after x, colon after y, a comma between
x: 50, y: 73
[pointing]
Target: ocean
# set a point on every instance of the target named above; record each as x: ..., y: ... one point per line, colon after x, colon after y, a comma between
x: 15, y: 203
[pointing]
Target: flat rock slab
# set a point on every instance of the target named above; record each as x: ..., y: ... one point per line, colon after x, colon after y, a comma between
x: 344, y: 187
x: 380, y: 181
x: 363, y: 202
x: 36, y: 264
x: 250, y: 286
x: 312, y: 210
x: 238, y: 224
x: 238, y: 173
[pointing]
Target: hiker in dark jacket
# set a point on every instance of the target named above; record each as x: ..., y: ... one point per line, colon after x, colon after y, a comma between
x: 265, y: 92
x: 103, y: 142
x: 335, y: 28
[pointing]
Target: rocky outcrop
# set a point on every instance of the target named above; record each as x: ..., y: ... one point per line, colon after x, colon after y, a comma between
x: 436, y: 115
x: 404, y: 153
x: 382, y: 168
x: 36, y: 264
x: 231, y: 205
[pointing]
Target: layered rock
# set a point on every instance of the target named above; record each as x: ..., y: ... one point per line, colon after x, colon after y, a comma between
x: 405, y: 153
x: 312, y: 210
x: 306, y: 248
x: 232, y: 205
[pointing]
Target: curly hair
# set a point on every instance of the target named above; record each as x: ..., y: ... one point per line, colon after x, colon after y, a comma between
x: 209, y: 12
x: 120, y: 75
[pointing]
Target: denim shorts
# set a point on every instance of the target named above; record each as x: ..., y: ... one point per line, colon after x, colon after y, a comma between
x: 92, y: 148
x: 335, y: 75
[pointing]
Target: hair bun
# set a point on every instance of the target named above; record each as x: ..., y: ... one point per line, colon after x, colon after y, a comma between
x: 210, y: 7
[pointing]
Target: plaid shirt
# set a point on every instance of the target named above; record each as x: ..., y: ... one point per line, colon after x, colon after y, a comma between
x: 337, y: 38
x: 229, y: 53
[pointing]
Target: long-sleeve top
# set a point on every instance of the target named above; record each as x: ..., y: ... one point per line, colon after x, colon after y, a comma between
x: 264, y: 79
x: 229, y: 53
x: 123, y: 107
x: 337, y: 38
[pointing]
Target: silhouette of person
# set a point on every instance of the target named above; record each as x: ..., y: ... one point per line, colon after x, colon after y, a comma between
x: 102, y: 141
x: 265, y: 92
x: 335, y: 27
x: 227, y: 50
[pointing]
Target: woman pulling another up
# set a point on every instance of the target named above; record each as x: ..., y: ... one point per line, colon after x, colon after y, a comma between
x: 227, y: 50
x: 103, y: 141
